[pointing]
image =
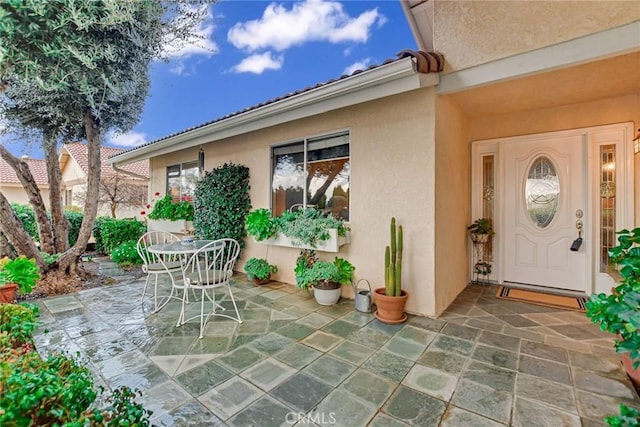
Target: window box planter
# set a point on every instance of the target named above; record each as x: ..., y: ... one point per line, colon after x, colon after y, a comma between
x: 333, y: 244
x: 177, y: 227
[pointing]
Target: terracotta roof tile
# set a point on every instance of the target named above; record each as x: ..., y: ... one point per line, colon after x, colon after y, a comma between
x: 78, y: 151
x: 37, y: 167
x: 427, y: 62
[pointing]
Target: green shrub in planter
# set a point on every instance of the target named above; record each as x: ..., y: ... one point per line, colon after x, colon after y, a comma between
x: 259, y: 268
x: 166, y: 208
x: 260, y: 225
x: 619, y: 312
x: 22, y: 271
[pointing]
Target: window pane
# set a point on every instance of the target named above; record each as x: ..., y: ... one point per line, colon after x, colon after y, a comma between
x: 181, y: 180
x: 322, y: 182
x: 288, y: 178
x: 607, y: 203
x: 542, y: 191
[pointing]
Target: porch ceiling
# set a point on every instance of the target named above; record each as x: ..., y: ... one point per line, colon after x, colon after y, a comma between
x: 605, y: 78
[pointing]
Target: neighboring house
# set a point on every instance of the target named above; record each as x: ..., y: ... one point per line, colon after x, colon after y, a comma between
x: 530, y: 123
x: 13, y: 190
x: 129, y: 184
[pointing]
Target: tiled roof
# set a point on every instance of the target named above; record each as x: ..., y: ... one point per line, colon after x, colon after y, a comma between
x: 38, y: 169
x: 426, y: 62
x: 78, y: 151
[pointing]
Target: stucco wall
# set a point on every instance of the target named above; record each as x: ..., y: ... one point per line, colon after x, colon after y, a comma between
x: 606, y: 111
x: 452, y: 210
x: 16, y: 194
x: 469, y: 33
x: 392, y: 172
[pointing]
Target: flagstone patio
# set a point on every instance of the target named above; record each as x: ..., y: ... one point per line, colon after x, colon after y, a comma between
x: 485, y: 362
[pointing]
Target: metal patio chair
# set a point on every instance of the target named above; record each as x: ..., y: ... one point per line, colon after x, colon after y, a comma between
x: 209, y: 269
x: 157, y: 264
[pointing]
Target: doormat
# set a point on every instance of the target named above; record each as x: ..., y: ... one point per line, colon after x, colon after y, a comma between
x: 541, y: 298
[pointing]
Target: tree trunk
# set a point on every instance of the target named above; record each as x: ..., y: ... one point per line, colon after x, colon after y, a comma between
x: 35, y: 198
x: 68, y: 262
x: 17, y: 235
x: 58, y: 220
x: 114, y: 205
x: 6, y: 250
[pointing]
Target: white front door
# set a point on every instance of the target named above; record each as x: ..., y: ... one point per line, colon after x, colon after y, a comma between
x: 545, y: 194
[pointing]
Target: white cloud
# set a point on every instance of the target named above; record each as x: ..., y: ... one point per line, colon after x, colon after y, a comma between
x: 360, y: 65
x: 280, y: 28
x: 129, y: 139
x: 258, y: 63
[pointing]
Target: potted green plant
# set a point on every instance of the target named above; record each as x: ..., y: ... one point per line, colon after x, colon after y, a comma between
x: 260, y: 225
x: 619, y: 312
x: 305, y: 229
x: 324, y: 277
x: 391, y: 300
x: 481, y: 230
x: 171, y: 216
x: 19, y: 274
x: 259, y: 270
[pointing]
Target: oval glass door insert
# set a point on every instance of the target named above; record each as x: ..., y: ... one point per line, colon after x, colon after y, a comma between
x: 542, y: 191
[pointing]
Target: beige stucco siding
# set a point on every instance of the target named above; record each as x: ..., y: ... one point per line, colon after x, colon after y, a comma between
x: 475, y: 32
x: 392, y: 172
x: 16, y: 194
x: 452, y: 210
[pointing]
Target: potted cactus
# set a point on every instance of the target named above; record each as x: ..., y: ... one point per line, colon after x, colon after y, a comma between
x: 391, y: 299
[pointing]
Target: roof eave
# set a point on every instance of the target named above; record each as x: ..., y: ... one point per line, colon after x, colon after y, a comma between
x: 389, y: 79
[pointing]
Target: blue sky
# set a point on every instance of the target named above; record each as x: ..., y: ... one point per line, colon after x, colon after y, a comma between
x: 255, y: 51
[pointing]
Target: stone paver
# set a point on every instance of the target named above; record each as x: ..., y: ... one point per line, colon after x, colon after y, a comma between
x: 484, y: 362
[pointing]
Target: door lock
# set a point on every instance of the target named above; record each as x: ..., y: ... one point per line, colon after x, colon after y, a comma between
x: 575, y: 246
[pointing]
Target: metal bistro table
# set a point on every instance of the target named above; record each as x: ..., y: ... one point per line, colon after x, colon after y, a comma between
x: 184, y: 251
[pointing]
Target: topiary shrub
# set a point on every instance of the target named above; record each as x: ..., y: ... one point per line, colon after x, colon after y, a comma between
x: 117, y: 231
x: 222, y: 203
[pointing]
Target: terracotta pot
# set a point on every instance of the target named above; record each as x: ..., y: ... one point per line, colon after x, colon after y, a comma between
x: 259, y: 282
x: 390, y: 309
x: 634, y: 374
x: 8, y: 292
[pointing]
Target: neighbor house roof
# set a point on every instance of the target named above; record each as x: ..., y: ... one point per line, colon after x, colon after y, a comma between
x: 78, y: 151
x: 37, y: 167
x: 388, y: 78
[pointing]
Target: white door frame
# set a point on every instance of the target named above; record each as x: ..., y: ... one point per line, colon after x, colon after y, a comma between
x: 620, y: 135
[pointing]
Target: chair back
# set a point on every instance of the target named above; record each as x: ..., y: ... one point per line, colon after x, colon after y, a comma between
x: 212, y: 265
x: 153, y: 238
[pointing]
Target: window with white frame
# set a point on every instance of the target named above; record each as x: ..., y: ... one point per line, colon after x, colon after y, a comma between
x: 313, y: 172
x: 181, y: 180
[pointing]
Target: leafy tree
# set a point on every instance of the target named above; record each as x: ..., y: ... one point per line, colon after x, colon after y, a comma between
x: 75, y: 69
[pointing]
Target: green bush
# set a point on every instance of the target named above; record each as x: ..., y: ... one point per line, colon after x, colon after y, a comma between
x: 97, y: 232
x: 75, y: 221
x: 27, y: 218
x: 117, y: 231
x: 126, y: 254
x: 222, y: 203
x: 54, y: 391
x: 17, y: 323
